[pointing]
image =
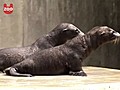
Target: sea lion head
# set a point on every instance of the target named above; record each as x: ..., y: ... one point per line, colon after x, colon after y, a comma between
x: 104, y: 34
x: 65, y: 31
x: 70, y: 31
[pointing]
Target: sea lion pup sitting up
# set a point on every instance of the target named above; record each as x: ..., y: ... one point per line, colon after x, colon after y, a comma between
x: 66, y: 58
x: 59, y: 35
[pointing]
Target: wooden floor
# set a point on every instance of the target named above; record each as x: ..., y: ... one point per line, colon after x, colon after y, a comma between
x: 97, y: 79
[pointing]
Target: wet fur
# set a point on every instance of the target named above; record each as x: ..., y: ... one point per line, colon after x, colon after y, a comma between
x: 57, y: 36
x: 63, y: 59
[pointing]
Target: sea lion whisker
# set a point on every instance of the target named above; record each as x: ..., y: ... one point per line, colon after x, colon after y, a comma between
x: 115, y: 41
x: 118, y: 39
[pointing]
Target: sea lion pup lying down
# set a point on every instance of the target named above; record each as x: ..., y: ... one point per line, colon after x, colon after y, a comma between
x: 59, y: 35
x: 66, y: 58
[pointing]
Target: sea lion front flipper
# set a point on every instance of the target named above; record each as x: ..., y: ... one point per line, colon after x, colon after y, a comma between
x: 12, y: 72
x: 78, y: 73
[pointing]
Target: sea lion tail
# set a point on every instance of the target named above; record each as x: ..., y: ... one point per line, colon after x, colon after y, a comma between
x: 12, y: 72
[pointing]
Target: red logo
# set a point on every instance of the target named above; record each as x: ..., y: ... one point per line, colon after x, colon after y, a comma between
x: 8, y: 9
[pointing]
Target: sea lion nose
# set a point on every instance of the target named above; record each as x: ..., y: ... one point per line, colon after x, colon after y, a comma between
x: 116, y: 34
x: 77, y: 30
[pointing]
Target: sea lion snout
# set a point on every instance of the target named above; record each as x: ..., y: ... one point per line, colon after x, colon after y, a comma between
x: 116, y: 34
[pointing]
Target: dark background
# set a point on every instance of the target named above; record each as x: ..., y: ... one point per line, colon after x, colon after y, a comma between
x: 32, y: 19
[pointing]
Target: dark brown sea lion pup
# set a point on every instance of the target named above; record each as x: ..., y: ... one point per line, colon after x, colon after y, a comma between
x: 59, y: 35
x: 66, y: 58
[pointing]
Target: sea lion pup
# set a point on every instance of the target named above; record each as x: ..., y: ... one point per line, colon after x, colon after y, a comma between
x: 59, y: 35
x: 66, y: 58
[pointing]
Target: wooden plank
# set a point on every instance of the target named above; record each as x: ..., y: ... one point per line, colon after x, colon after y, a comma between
x: 98, y: 78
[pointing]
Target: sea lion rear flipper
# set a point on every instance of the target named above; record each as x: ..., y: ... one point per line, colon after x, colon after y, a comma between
x: 78, y: 73
x: 12, y: 72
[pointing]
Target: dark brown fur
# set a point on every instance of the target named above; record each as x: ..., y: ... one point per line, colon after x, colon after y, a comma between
x: 66, y: 58
x: 57, y: 36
